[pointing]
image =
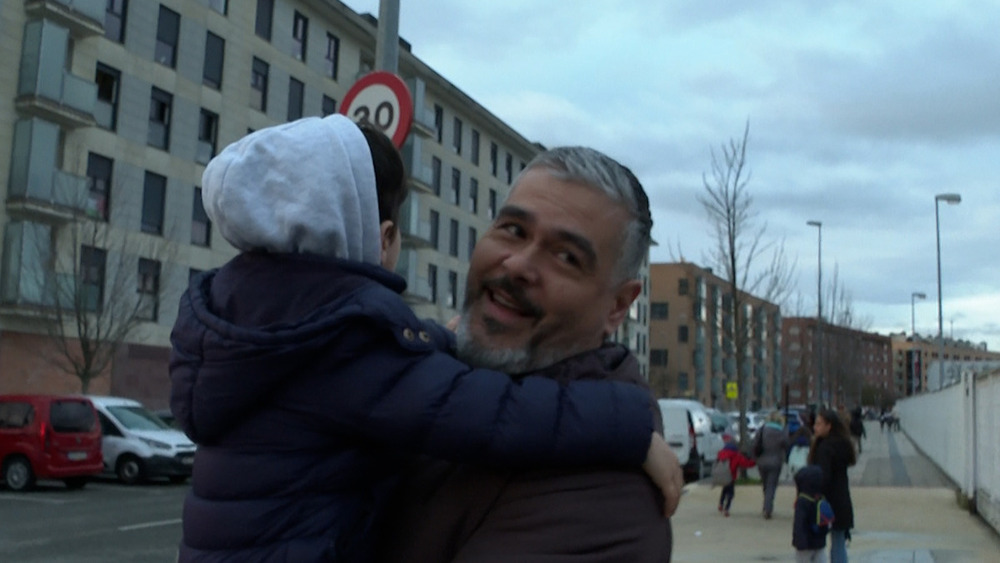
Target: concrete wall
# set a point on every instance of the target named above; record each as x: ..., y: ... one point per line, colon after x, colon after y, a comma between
x: 957, y: 428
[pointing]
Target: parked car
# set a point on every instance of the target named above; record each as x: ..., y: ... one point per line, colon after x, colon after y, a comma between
x: 706, y: 432
x: 138, y: 445
x: 167, y: 416
x: 48, y: 437
x: 678, y: 433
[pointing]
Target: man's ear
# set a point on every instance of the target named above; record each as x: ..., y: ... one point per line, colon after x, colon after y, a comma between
x: 389, y: 233
x: 624, y: 296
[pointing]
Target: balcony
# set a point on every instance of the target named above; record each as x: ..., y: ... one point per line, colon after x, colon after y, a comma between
x: 38, y: 190
x: 423, y: 120
x: 82, y: 18
x: 418, y: 291
x: 45, y: 88
x: 416, y: 232
x: 28, y: 287
x: 421, y: 175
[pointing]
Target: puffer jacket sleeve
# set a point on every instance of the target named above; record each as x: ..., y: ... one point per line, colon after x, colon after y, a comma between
x: 407, y: 393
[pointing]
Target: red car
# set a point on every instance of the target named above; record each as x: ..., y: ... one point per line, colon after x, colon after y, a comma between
x: 48, y: 437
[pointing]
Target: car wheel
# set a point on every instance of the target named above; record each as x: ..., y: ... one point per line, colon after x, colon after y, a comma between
x: 129, y: 469
x: 17, y: 474
x: 75, y: 482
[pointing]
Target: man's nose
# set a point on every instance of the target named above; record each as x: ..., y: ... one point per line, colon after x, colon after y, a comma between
x: 522, y: 263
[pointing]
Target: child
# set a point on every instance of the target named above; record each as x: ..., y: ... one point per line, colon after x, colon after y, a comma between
x: 731, y: 454
x: 306, y: 380
x: 808, y: 536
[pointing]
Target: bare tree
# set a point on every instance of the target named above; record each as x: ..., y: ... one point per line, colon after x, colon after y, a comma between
x: 104, y: 285
x: 843, y: 355
x: 739, y: 247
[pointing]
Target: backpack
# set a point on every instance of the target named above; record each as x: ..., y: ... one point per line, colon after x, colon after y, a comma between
x: 824, y: 513
x: 721, y: 475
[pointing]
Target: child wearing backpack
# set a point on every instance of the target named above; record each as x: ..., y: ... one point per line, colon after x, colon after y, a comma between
x: 813, y: 516
x: 730, y: 454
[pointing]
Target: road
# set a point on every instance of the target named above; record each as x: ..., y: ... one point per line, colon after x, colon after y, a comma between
x: 103, y: 522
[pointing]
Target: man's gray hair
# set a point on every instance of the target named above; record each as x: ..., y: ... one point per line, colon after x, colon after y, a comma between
x: 595, y: 169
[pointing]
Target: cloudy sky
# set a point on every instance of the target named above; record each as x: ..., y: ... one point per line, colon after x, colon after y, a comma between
x: 859, y: 112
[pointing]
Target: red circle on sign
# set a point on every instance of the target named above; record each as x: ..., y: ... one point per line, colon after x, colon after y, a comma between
x: 382, y: 87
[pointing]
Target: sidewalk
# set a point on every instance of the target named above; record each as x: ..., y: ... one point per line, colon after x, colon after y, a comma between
x: 919, y: 521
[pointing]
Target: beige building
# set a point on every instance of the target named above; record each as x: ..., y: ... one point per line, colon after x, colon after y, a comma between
x: 110, y: 113
x: 916, y: 367
x: 691, y: 351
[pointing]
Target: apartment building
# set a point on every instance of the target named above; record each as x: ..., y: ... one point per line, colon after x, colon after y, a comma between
x: 856, y: 365
x: 918, y: 365
x: 691, y: 348
x: 110, y: 113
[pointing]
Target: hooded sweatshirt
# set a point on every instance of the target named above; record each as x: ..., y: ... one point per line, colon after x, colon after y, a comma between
x: 805, y: 536
x: 305, y: 379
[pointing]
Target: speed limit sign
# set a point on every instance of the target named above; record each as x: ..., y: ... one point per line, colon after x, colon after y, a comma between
x: 383, y: 100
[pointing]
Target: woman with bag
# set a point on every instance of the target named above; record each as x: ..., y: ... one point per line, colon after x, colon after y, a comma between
x: 833, y: 452
x: 769, y: 449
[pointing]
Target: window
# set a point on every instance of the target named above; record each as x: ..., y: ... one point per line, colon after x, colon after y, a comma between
x: 295, y: 92
x: 106, y: 110
x: 439, y: 121
x: 332, y: 55
x: 153, y: 192
x: 258, y: 85
x: 493, y: 158
x: 262, y: 25
x: 114, y: 20
x: 160, y: 103
x: 509, y: 167
x: 474, y: 149
x: 658, y: 357
x: 149, y: 289
x: 452, y: 301
x: 682, y: 381
x: 98, y: 185
x: 682, y: 286
x: 435, y: 224
x: 201, y: 226
x: 682, y: 333
x: 215, y: 48
x: 456, y: 136
x: 453, y: 238
x: 208, y: 132
x: 473, y: 195
x: 432, y: 282
x: 473, y: 237
x: 300, y: 32
x: 329, y: 106
x: 493, y: 204
x: 456, y: 186
x: 92, y: 262
x: 192, y: 274
x: 221, y: 6
x: 167, y: 29
x: 659, y: 310
x: 436, y: 175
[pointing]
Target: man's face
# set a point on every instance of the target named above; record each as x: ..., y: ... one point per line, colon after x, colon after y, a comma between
x: 541, y: 284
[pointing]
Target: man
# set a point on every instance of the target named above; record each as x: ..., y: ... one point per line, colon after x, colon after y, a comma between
x: 551, y: 279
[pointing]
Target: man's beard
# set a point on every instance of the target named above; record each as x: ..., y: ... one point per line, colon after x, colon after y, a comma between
x: 512, y: 361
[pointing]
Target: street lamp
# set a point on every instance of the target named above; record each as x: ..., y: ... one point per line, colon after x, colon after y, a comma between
x: 951, y: 199
x: 913, y: 315
x: 819, y: 309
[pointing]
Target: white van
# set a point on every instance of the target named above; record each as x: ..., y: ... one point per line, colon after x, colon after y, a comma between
x: 691, y: 430
x: 137, y: 445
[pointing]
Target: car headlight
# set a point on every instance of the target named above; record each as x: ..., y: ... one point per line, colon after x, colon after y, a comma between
x: 155, y: 444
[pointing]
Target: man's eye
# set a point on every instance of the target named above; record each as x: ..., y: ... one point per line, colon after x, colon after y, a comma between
x: 511, y: 228
x: 568, y: 257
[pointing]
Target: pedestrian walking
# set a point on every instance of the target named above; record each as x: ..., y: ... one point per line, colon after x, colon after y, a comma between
x: 857, y: 427
x: 833, y: 452
x: 732, y: 455
x: 809, y: 526
x: 769, y: 449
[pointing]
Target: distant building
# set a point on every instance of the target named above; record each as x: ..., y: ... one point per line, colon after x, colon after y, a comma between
x: 916, y: 367
x: 691, y: 352
x: 851, y: 360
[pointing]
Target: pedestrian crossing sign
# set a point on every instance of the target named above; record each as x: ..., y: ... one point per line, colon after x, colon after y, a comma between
x: 731, y: 390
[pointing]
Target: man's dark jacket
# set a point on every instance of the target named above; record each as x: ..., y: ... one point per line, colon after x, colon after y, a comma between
x: 463, y: 513
x: 307, y: 381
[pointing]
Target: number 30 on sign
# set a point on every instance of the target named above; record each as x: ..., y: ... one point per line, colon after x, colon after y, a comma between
x: 383, y: 100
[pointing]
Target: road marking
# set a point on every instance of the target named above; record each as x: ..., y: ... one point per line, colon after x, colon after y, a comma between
x: 170, y: 522
x: 28, y: 498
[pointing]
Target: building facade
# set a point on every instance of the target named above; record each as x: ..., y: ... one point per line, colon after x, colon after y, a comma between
x: 916, y: 367
x: 856, y: 365
x: 691, y: 344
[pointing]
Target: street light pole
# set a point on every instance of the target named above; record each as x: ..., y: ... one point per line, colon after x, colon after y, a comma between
x: 913, y: 315
x: 819, y: 309
x: 951, y: 199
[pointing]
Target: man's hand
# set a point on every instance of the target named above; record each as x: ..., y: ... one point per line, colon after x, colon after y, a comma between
x: 453, y: 323
x: 664, y: 469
